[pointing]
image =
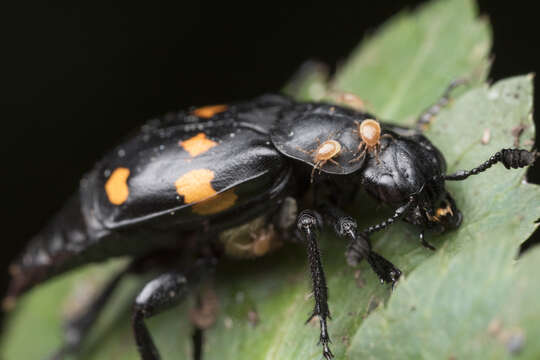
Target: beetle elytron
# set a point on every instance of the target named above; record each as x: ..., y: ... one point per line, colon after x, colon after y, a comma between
x: 228, y: 181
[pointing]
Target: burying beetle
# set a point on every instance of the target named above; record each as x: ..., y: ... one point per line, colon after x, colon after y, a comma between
x: 228, y: 181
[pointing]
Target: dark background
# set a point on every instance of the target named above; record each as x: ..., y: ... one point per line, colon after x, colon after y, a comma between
x: 76, y: 77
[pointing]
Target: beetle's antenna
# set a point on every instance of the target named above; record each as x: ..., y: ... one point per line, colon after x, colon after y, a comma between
x: 425, y: 118
x: 510, y: 158
x: 402, y: 210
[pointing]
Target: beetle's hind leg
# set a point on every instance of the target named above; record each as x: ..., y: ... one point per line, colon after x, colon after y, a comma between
x: 425, y: 118
x: 78, y: 327
x: 360, y: 247
x: 163, y: 292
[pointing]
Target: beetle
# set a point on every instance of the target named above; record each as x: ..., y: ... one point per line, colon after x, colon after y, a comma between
x: 228, y: 181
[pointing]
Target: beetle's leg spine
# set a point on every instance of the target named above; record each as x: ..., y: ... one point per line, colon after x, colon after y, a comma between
x: 308, y: 223
x: 510, y: 158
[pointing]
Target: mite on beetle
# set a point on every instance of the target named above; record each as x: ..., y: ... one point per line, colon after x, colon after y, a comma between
x: 227, y: 181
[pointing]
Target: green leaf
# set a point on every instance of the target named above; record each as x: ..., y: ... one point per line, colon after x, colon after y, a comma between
x: 411, y: 59
x: 469, y: 299
x: 476, y: 304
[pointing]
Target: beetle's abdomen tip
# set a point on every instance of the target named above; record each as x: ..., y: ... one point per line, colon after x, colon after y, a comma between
x: 8, y: 303
x: 21, y: 281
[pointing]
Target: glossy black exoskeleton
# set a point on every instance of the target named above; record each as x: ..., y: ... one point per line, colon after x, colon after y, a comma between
x: 228, y: 181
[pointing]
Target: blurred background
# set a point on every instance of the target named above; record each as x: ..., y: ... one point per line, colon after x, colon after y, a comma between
x: 77, y: 77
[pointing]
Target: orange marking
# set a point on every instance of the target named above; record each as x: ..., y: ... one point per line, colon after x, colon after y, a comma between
x: 195, y: 187
x: 444, y: 211
x: 209, y: 111
x: 116, y: 186
x: 197, y: 144
x: 216, y: 204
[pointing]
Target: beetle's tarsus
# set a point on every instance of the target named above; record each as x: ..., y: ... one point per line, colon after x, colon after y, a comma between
x: 327, y: 353
x: 324, y: 340
x: 385, y: 270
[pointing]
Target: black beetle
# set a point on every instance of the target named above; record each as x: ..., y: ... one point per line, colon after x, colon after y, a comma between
x: 178, y: 194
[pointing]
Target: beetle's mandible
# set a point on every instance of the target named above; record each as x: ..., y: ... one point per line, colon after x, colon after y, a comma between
x: 229, y: 181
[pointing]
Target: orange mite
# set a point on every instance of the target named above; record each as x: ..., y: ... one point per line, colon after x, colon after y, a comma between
x: 325, y: 152
x: 370, y: 133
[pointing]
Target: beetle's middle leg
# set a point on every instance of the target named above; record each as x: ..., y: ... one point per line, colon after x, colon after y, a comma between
x: 425, y: 118
x: 360, y: 246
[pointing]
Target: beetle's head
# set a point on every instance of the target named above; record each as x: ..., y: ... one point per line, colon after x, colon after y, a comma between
x: 435, y: 210
x: 444, y: 215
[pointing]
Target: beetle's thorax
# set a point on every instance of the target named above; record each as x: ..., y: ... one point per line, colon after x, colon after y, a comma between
x: 408, y: 168
x: 401, y: 170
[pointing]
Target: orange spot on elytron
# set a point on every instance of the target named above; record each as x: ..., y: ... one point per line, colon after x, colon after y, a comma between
x: 209, y: 111
x: 116, y: 186
x: 197, y: 144
x: 195, y: 187
x: 216, y: 204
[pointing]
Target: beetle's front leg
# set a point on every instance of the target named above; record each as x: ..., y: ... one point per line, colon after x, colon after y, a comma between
x: 309, y: 224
